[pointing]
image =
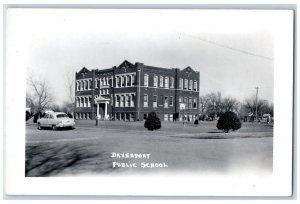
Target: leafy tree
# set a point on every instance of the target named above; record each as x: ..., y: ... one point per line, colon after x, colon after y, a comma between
x: 152, y: 122
x: 229, y: 121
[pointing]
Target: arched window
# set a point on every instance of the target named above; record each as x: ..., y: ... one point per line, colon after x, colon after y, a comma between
x: 86, y: 102
x: 86, y: 85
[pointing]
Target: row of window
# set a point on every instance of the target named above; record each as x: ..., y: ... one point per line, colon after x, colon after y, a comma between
x: 168, y: 82
x: 84, y: 84
x: 102, y: 81
x: 189, y: 102
x: 130, y: 80
x: 188, y: 84
x: 168, y: 101
x: 163, y: 82
x: 83, y: 101
x: 165, y: 101
x: 125, y: 80
x: 104, y: 91
x: 124, y: 100
x: 83, y: 116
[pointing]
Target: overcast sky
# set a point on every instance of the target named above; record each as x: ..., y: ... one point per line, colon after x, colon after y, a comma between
x: 232, y: 50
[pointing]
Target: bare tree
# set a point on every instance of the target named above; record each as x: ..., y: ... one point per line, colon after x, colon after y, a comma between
x: 262, y: 106
x: 39, y: 95
x: 230, y: 104
x: 204, y: 101
x: 70, y: 89
x: 215, y: 103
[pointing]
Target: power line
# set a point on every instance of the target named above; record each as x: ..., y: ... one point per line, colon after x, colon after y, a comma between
x: 228, y: 47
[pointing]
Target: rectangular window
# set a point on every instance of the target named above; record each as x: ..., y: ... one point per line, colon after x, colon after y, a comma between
x: 111, y: 99
x: 155, y: 81
x: 90, y: 102
x: 122, y: 101
x: 180, y: 83
x: 127, y: 100
x: 117, y: 101
x: 185, y: 101
x: 128, y: 81
x: 161, y: 100
x: 161, y: 81
x: 186, y: 84
x: 191, y: 85
x: 172, y: 82
x: 154, y: 101
x: 190, y: 103
x: 123, y: 81
x: 145, y: 100
x: 96, y: 83
x: 118, y: 81
x: 86, y: 102
x: 180, y: 99
x: 195, y: 103
x: 77, y: 102
x: 166, y: 102
x: 133, y: 79
x: 166, y: 82
x: 132, y: 100
x: 146, y: 80
x: 171, y: 101
x: 195, y: 85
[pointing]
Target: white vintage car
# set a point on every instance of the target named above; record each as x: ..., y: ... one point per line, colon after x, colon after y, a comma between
x: 55, y: 120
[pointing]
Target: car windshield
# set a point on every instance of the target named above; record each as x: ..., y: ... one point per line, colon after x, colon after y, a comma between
x: 62, y: 116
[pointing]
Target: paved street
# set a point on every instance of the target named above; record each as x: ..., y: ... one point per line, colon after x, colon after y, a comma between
x: 90, y: 149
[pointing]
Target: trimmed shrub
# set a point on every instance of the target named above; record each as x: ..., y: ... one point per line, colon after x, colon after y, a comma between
x: 152, y: 122
x: 229, y: 121
x: 28, y: 115
x: 196, y: 122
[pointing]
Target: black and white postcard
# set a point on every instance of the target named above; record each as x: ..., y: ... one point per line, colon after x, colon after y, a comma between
x: 178, y: 102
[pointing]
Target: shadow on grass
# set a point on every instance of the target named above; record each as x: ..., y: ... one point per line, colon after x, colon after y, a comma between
x: 221, y: 137
x: 215, y: 132
x: 48, y: 160
x: 58, y: 129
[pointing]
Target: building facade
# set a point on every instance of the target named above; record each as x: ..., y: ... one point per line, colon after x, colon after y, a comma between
x: 130, y: 91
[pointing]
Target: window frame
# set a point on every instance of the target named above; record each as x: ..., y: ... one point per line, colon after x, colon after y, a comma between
x: 155, y: 102
x: 161, y: 81
x: 166, y: 82
x: 146, y: 80
x: 146, y: 101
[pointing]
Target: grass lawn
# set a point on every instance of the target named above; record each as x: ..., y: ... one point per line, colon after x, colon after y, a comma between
x: 87, y: 149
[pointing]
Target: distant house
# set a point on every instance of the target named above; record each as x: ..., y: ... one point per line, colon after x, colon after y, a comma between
x: 250, y: 117
x: 130, y: 91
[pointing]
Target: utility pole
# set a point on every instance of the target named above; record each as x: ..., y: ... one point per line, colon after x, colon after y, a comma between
x: 139, y: 92
x: 256, y: 102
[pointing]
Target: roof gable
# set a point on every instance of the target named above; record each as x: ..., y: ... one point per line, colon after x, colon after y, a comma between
x: 188, y: 70
x: 84, y: 71
x: 125, y: 64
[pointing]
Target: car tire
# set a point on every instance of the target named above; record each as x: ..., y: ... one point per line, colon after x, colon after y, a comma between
x: 54, y: 127
x: 39, y: 126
